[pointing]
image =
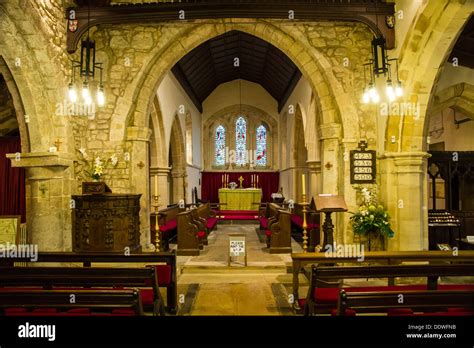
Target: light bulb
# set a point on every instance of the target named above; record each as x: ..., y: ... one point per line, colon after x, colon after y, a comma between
x: 366, y: 97
x: 399, y: 89
x: 389, y: 90
x: 72, y: 93
x: 375, y: 97
x: 372, y: 90
x: 88, y: 100
x: 85, y: 90
x: 100, y: 96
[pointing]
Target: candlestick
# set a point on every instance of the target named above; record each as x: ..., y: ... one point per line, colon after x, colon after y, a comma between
x: 304, y: 184
x: 223, y: 180
x: 257, y: 179
x: 156, y: 185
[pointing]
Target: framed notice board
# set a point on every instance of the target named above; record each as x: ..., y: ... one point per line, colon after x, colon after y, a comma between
x: 363, y: 165
x: 237, y: 247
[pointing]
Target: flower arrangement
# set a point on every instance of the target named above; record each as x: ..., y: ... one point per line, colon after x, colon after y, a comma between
x: 371, y: 217
x: 98, y: 165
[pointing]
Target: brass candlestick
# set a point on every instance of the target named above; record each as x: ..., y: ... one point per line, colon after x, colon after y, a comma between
x: 156, y: 205
x: 305, y: 205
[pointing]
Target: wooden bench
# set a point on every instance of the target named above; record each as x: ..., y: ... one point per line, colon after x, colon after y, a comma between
x: 325, y: 281
x: 381, y: 257
x: 38, y: 302
x: 279, y: 233
x: 407, y: 302
x: 190, y: 235
x: 268, y: 214
x: 167, y: 220
x: 313, y: 220
x: 84, y: 277
x: 164, y: 263
x: 204, y: 211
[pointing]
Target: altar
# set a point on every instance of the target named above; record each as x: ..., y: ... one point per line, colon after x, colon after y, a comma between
x: 240, y: 199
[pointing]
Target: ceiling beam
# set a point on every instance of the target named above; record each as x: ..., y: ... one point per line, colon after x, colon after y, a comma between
x: 363, y: 11
x: 181, y: 77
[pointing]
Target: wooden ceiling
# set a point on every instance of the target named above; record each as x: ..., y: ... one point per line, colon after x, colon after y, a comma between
x: 464, y: 48
x: 212, y: 63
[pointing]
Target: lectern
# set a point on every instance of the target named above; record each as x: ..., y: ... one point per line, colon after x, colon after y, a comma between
x: 328, y: 204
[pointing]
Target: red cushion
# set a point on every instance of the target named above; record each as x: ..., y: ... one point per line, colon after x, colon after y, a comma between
x: 79, y: 311
x: 201, y: 234
x: 164, y: 274
x: 331, y: 295
x: 211, y: 223
x: 297, y: 220
x: 399, y: 311
x: 348, y: 312
x: 15, y: 310
x: 147, y: 296
x: 170, y: 225
x: 268, y: 233
x: 45, y: 310
x: 125, y: 312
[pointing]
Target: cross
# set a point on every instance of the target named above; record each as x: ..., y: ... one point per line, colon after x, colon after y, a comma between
x: 328, y: 165
x: 241, y: 179
x: 57, y: 143
x: 43, y: 188
x: 362, y: 145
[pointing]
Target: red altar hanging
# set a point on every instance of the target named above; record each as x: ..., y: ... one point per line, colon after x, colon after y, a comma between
x: 212, y: 181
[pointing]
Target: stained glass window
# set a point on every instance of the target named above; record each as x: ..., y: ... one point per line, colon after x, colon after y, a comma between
x: 261, y: 136
x: 241, y: 141
x: 220, y: 145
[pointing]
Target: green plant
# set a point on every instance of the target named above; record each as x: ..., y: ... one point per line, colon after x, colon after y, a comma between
x: 371, y: 217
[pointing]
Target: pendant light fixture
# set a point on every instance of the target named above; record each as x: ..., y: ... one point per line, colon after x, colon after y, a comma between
x: 87, y: 70
x: 381, y: 65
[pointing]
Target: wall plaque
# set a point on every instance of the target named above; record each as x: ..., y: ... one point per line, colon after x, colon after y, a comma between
x: 363, y: 165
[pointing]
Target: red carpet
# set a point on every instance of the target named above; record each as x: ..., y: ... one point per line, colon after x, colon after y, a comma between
x: 238, y: 215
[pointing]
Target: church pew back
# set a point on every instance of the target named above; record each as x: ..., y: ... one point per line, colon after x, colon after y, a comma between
x: 50, y: 277
x: 61, y: 300
x: 166, y: 264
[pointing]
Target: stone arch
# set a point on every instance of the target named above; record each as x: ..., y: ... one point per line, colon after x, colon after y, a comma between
x: 423, y: 54
x: 17, y: 104
x: 313, y: 64
x: 33, y: 75
x: 158, y: 154
x: 177, y: 160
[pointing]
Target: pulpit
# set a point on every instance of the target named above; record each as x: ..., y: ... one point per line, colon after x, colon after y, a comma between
x: 106, y: 222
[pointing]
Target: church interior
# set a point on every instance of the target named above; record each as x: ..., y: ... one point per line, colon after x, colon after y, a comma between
x: 237, y: 158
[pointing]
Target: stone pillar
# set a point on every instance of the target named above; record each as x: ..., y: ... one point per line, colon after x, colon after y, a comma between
x: 332, y: 171
x: 138, y: 138
x: 178, y: 178
x: 348, y: 191
x: 163, y: 189
x: 49, y: 178
x: 405, y: 191
x: 314, y: 177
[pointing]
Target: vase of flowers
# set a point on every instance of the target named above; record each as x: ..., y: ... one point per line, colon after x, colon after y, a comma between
x: 371, y: 222
x: 96, y: 168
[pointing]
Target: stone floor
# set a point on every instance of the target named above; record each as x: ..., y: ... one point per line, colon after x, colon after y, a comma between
x: 214, y: 288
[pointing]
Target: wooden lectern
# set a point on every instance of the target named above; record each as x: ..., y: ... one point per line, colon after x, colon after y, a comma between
x: 328, y: 204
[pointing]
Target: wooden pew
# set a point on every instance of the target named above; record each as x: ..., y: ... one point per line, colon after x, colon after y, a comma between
x: 427, y: 301
x: 267, y: 214
x: 188, y: 238
x: 84, y: 277
x: 167, y: 220
x: 383, y: 257
x: 164, y: 262
x: 48, y: 302
x: 209, y: 215
x: 279, y: 234
x: 313, y: 221
x: 321, y: 277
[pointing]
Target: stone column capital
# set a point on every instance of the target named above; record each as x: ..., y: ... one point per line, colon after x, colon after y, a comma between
x: 330, y: 131
x: 136, y: 133
x: 407, y: 162
x: 42, y: 159
x: 314, y: 166
x: 160, y: 171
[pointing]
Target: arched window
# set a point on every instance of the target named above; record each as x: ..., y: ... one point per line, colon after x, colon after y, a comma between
x: 261, y: 137
x: 220, y: 146
x: 241, y: 141
x: 189, y: 139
